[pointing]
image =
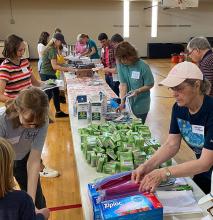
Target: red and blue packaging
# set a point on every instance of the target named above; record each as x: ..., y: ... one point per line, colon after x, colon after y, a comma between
x: 144, y: 206
x: 110, y: 200
x: 93, y: 195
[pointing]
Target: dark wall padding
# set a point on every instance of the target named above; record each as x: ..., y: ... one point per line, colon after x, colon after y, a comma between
x: 164, y: 50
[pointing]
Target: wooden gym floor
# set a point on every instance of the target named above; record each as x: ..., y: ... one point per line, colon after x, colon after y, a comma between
x: 58, y: 150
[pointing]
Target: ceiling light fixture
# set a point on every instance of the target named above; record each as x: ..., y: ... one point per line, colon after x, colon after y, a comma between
x: 126, y: 18
x: 154, y: 28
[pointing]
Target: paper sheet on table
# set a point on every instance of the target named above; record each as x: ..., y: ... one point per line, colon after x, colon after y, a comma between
x: 207, y: 218
x: 175, y: 202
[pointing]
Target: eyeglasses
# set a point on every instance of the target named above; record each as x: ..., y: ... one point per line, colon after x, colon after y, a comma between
x: 190, y: 52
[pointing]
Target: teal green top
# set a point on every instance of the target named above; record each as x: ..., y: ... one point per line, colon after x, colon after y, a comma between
x: 46, y: 66
x: 135, y: 76
x: 90, y: 45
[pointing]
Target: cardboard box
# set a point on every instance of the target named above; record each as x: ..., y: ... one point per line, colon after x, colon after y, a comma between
x: 84, y: 73
x: 96, y: 111
x: 93, y: 195
x: 83, y: 110
x: 144, y: 206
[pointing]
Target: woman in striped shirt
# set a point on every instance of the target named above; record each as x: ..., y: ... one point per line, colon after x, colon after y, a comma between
x: 15, y: 75
x: 15, y: 72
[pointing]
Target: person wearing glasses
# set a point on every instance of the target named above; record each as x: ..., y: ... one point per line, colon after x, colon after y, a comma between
x: 14, y: 204
x: 200, y: 51
x: 134, y: 75
x: 192, y: 121
x: 24, y: 124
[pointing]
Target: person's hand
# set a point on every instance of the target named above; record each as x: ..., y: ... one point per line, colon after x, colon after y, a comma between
x: 106, y: 70
x: 120, y: 108
x: 71, y: 69
x: 135, y: 93
x: 152, y: 180
x: 139, y: 173
x: 45, y: 212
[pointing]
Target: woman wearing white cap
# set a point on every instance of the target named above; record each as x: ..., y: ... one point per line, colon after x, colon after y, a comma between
x: 192, y: 120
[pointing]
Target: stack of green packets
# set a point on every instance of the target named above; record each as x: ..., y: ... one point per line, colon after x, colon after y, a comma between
x: 116, y: 147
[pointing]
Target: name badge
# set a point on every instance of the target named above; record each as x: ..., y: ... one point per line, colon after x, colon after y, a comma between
x: 25, y: 70
x: 14, y: 140
x: 135, y: 75
x: 197, y: 129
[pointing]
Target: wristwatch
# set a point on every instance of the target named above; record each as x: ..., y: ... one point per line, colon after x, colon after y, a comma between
x: 168, y: 173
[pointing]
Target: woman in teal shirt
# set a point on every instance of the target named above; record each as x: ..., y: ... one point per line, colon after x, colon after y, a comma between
x: 134, y: 75
x: 92, y: 50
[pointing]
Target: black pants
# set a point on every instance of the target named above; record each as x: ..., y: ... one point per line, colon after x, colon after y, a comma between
x: 142, y: 117
x: 116, y: 87
x: 52, y: 93
x: 203, y: 182
x: 20, y: 173
x: 109, y: 81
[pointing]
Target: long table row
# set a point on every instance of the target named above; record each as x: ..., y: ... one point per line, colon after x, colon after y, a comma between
x: 86, y: 173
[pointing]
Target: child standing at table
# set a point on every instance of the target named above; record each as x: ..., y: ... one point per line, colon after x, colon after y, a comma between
x: 14, y: 204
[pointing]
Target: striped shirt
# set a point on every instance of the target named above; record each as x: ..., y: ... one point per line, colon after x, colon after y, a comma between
x: 17, y: 77
x: 206, y: 66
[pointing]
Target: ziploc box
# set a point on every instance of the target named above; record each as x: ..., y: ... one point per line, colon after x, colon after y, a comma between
x: 93, y: 195
x: 138, y: 207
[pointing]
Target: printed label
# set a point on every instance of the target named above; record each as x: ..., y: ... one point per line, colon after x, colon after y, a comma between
x: 135, y: 75
x: 197, y: 129
x: 25, y: 70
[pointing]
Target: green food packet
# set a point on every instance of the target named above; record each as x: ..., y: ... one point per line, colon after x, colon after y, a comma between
x: 109, y: 168
x: 88, y: 157
x: 84, y: 138
x: 99, y: 142
x: 126, y: 165
x: 93, y: 159
x: 100, y: 164
x: 150, y: 151
x: 99, y: 155
x: 111, y: 154
x: 139, y: 141
x: 111, y: 144
x: 105, y: 157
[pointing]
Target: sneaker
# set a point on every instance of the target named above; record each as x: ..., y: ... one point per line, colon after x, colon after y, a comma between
x: 48, y: 172
x: 61, y: 114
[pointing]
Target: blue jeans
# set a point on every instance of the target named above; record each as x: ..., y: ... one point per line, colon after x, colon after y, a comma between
x: 39, y: 65
x: 52, y: 93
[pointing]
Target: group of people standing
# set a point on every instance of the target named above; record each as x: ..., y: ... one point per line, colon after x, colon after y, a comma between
x: 23, y: 126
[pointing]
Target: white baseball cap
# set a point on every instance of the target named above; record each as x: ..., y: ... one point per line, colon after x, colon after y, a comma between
x: 180, y: 72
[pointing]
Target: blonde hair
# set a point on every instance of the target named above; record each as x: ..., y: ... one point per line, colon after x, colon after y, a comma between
x: 32, y: 100
x: 7, y: 156
x: 51, y: 42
